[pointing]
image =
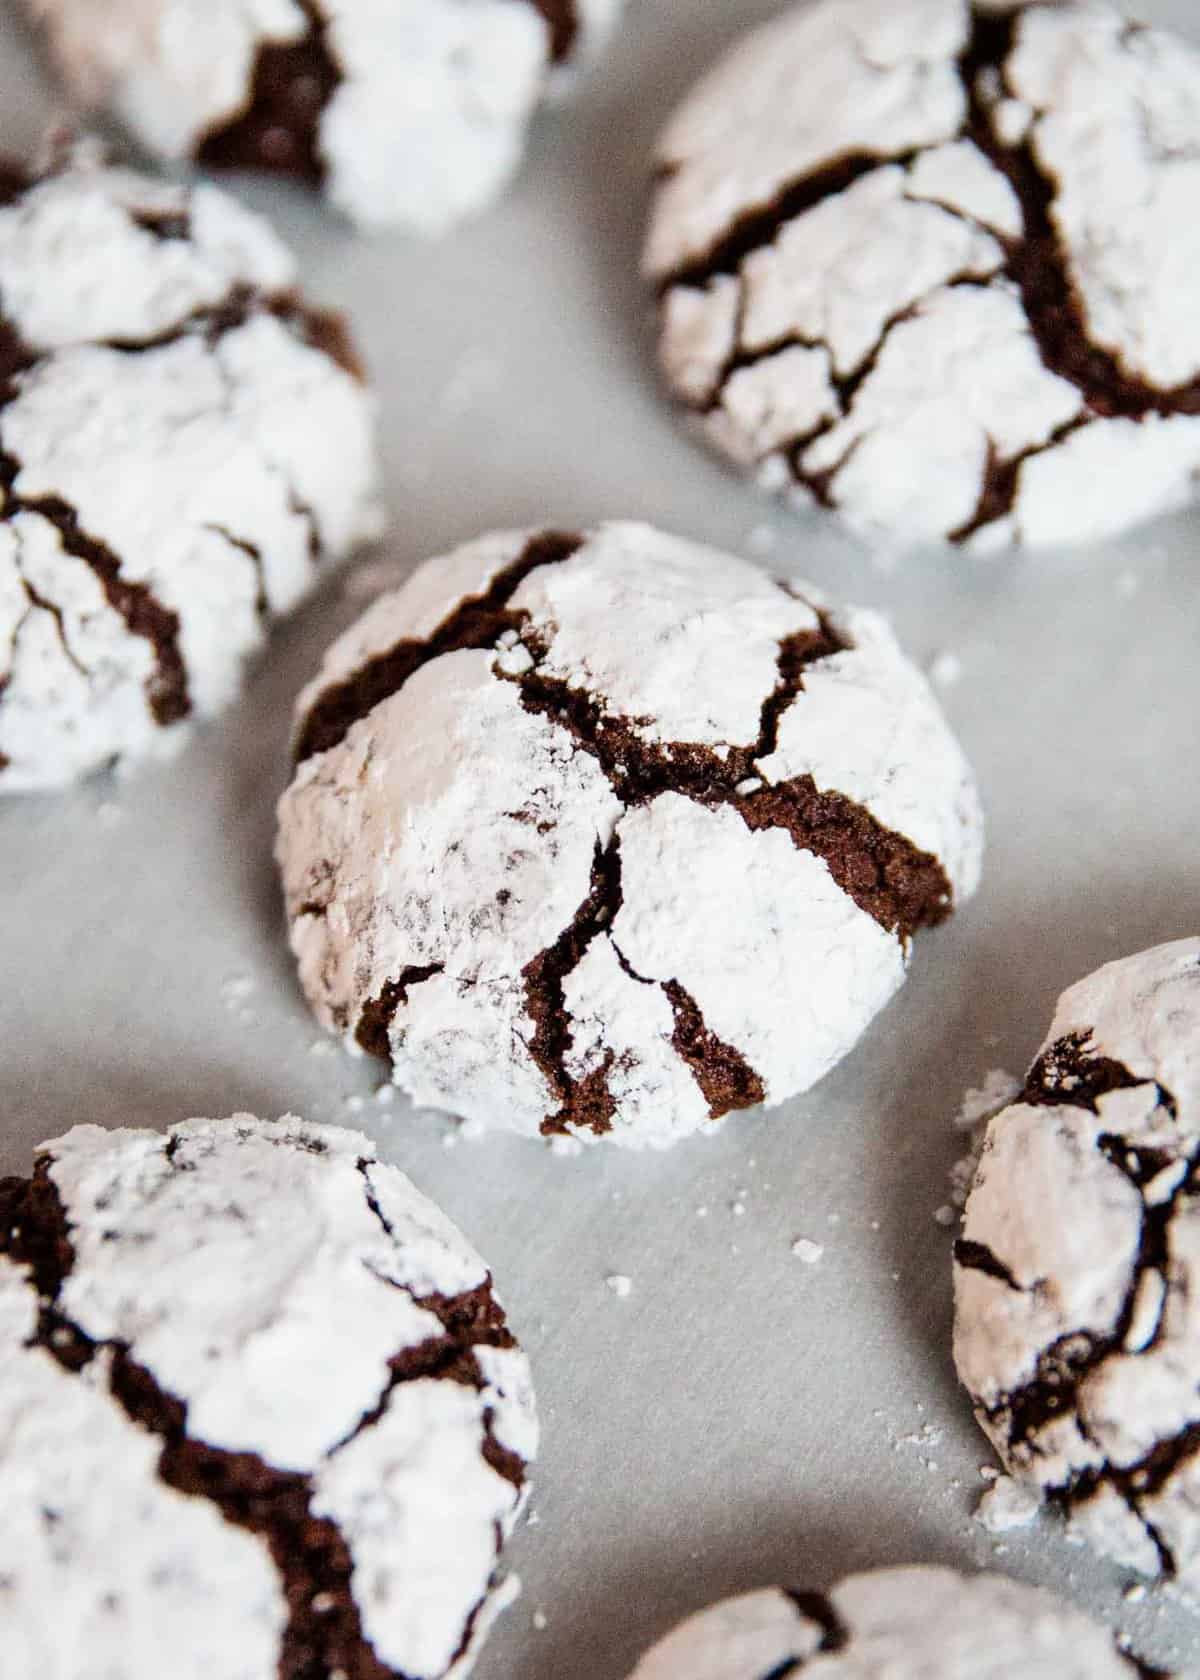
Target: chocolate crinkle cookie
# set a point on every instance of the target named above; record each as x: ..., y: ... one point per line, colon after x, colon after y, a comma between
x: 260, y: 1412
x: 893, y: 1624
x: 609, y: 834
x: 934, y: 266
x: 184, y: 443
x: 411, y: 112
x: 1077, y: 1276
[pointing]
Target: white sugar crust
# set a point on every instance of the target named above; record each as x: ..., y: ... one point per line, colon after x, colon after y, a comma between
x: 1052, y: 1203
x: 450, y: 838
x: 899, y: 276
x: 682, y: 609
x: 102, y: 1566
x: 888, y: 83
x: 425, y: 125
x: 911, y: 1624
x: 265, y: 1273
x: 700, y: 892
x: 907, y: 772
x: 201, y: 463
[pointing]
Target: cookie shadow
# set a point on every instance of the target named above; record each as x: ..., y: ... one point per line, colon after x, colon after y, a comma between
x: 636, y: 1594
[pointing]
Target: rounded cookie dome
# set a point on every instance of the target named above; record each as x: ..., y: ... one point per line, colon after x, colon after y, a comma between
x: 609, y: 834
x: 933, y: 267
x: 1077, y: 1275
x: 259, y: 1407
x: 167, y: 485
x: 892, y: 1624
x: 414, y: 112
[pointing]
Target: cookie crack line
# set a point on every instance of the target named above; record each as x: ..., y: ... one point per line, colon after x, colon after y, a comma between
x: 562, y: 20
x: 726, y: 1079
x: 1067, y: 1074
x: 884, y: 873
x: 278, y: 127
x: 477, y: 622
x: 585, y: 1102
x: 1035, y: 263
x: 143, y: 613
x: 817, y: 1607
x: 323, y: 1633
x: 759, y: 227
x: 320, y: 329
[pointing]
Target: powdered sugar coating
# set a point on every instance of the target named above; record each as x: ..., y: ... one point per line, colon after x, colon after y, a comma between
x: 530, y: 852
x: 412, y: 113
x: 168, y: 485
x: 1077, y: 1332
x: 937, y: 275
x: 907, y: 1624
x: 280, y: 1282
x: 102, y: 1566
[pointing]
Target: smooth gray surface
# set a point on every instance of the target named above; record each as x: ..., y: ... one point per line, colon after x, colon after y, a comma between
x: 742, y: 1417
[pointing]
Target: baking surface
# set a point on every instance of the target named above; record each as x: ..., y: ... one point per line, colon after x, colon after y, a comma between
x: 742, y: 1416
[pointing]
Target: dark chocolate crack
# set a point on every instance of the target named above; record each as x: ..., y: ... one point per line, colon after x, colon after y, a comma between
x: 144, y: 615
x: 757, y: 227
x: 164, y: 224
x: 562, y: 19
x: 476, y: 622
x: 15, y: 357
x: 320, y: 329
x: 373, y: 1032
x: 324, y: 1633
x: 585, y: 1102
x: 1068, y: 1074
x: 978, y: 1257
x: 1036, y: 263
x: 262, y: 601
x: 818, y: 1607
x: 884, y: 873
x: 278, y: 128
x: 900, y: 886
x: 722, y: 1073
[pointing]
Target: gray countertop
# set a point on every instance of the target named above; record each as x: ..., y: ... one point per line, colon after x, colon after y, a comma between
x: 742, y: 1416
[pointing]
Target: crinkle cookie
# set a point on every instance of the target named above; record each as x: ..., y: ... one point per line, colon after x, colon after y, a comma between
x: 411, y: 112
x: 893, y: 1624
x: 259, y: 1409
x: 934, y: 266
x: 610, y: 834
x: 168, y: 483
x: 1077, y: 1276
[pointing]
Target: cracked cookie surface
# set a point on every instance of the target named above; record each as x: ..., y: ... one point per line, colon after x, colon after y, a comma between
x: 1077, y: 1326
x: 935, y: 269
x: 609, y: 834
x: 414, y: 112
x: 166, y: 482
x: 907, y: 1624
x: 260, y: 1408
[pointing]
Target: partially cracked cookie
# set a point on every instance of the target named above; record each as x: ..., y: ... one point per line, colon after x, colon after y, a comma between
x: 259, y: 1408
x: 893, y: 1624
x: 934, y: 266
x: 1077, y: 1275
x: 610, y: 834
x: 168, y: 485
x: 412, y: 113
